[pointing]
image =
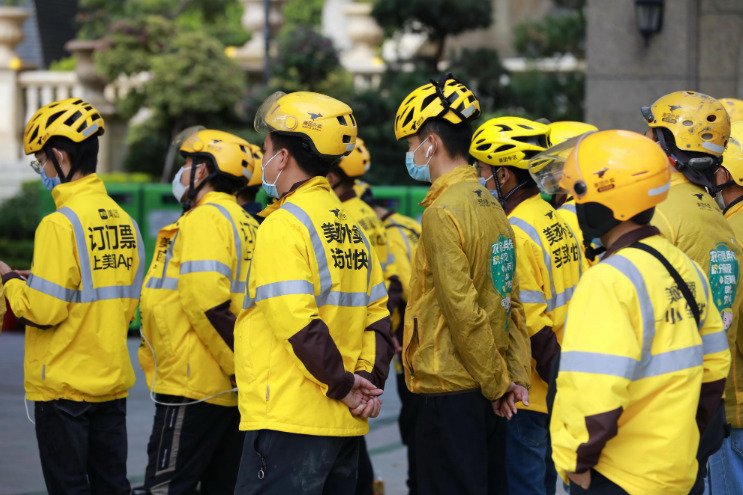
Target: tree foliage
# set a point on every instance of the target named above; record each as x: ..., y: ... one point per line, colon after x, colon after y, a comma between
x: 437, y: 18
x: 561, y: 32
x: 305, y: 58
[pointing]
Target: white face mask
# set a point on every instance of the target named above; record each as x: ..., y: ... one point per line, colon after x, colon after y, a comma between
x: 720, y: 202
x: 179, y: 190
x: 270, y: 188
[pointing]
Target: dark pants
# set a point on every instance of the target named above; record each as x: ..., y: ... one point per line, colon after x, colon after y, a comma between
x: 709, y: 443
x: 83, y: 446
x: 600, y: 485
x: 365, y: 479
x: 191, y: 444
x: 460, y: 446
x: 411, y: 404
x: 280, y: 463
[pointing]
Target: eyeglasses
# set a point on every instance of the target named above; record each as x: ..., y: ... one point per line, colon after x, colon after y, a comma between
x: 38, y: 166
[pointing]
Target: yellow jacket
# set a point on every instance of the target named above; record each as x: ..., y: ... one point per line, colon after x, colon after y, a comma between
x: 691, y: 220
x: 403, y: 234
x: 734, y: 384
x: 2, y: 304
x: 314, y: 314
x: 549, y: 264
x: 80, y: 298
x: 375, y: 232
x: 464, y: 325
x: 632, y: 370
x: 192, y: 294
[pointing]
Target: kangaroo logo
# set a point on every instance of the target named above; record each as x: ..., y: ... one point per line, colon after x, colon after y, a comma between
x: 699, y: 196
x: 335, y: 212
x: 314, y: 116
x: 674, y: 107
x: 601, y: 172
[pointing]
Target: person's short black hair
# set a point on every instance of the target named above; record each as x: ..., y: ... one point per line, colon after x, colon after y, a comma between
x: 224, y: 183
x: 522, y: 175
x: 456, y: 137
x: 343, y: 177
x: 247, y: 194
x: 83, y: 155
x: 299, y: 148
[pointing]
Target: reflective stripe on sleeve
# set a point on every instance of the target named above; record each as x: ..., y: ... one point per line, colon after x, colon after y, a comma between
x: 715, y: 342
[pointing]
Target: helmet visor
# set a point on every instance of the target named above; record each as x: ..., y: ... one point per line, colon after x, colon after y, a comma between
x: 270, y: 117
x: 547, y: 167
x: 187, y: 136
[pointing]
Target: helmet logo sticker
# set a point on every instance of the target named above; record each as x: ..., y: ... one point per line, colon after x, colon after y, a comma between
x: 673, y: 108
x: 669, y: 118
x: 312, y: 126
x: 601, y: 172
x: 314, y: 116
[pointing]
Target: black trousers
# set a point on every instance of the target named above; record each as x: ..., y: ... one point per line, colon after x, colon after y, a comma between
x: 460, y: 446
x: 365, y: 478
x: 280, y: 463
x: 406, y: 421
x: 600, y: 485
x: 191, y: 444
x: 83, y: 446
x: 709, y: 443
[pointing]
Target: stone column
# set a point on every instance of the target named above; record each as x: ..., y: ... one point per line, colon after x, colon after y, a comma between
x: 93, y: 85
x: 365, y: 36
x: 11, y: 125
x: 250, y: 55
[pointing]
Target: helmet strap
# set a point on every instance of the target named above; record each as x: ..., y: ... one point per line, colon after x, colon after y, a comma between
x: 53, y: 157
x: 498, y: 189
x: 590, y: 251
x: 193, y: 191
x: 714, y: 190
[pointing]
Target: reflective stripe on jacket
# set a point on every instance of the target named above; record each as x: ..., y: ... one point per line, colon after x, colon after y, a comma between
x: 691, y: 220
x: 734, y: 384
x: 193, y: 292
x: 464, y: 324
x: 314, y: 314
x: 632, y: 369
x: 549, y: 264
x: 80, y: 298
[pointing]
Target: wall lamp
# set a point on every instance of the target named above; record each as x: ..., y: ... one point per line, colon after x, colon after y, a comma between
x: 649, y: 17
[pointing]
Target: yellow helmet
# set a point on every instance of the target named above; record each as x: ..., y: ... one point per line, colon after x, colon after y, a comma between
x: 624, y: 171
x: 253, y: 172
x: 734, y: 107
x: 698, y: 123
x: 230, y: 154
x: 358, y: 162
x: 72, y: 118
x: 732, y: 159
x: 327, y: 124
x: 509, y: 141
x: 447, y: 99
x: 566, y: 129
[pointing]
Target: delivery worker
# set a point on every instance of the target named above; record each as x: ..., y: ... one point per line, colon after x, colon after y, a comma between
x: 246, y: 195
x: 312, y: 343
x: 644, y: 353
x: 193, y: 292
x: 77, y: 305
x: 465, y: 347
x: 548, y: 263
x: 693, y: 130
x: 726, y: 465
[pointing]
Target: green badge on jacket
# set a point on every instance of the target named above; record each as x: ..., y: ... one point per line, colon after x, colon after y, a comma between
x: 502, y: 266
x: 723, y: 280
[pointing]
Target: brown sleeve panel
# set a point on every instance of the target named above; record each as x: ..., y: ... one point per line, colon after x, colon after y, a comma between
x: 400, y: 330
x: 223, y: 321
x: 11, y: 276
x: 394, y: 293
x: 319, y: 354
x: 709, y: 401
x: 601, y: 428
x: 384, y: 350
x: 544, y: 347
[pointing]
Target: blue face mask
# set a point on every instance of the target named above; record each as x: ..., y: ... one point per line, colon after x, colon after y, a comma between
x: 270, y: 188
x: 49, y: 182
x: 420, y: 173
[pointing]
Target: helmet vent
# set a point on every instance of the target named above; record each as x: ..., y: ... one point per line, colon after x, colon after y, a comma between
x: 34, y: 134
x: 483, y: 147
x: 408, y: 118
x: 82, y: 126
x: 346, y: 138
x: 242, y: 148
x: 342, y: 120
x: 244, y: 164
x: 95, y: 116
x: 525, y: 127
x: 427, y: 100
x: 353, y: 120
x: 505, y: 147
x: 53, y: 118
x: 707, y: 136
x: 688, y: 123
x: 73, y: 118
x: 711, y: 118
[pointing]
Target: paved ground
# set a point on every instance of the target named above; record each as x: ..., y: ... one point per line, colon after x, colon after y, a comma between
x: 20, y: 471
